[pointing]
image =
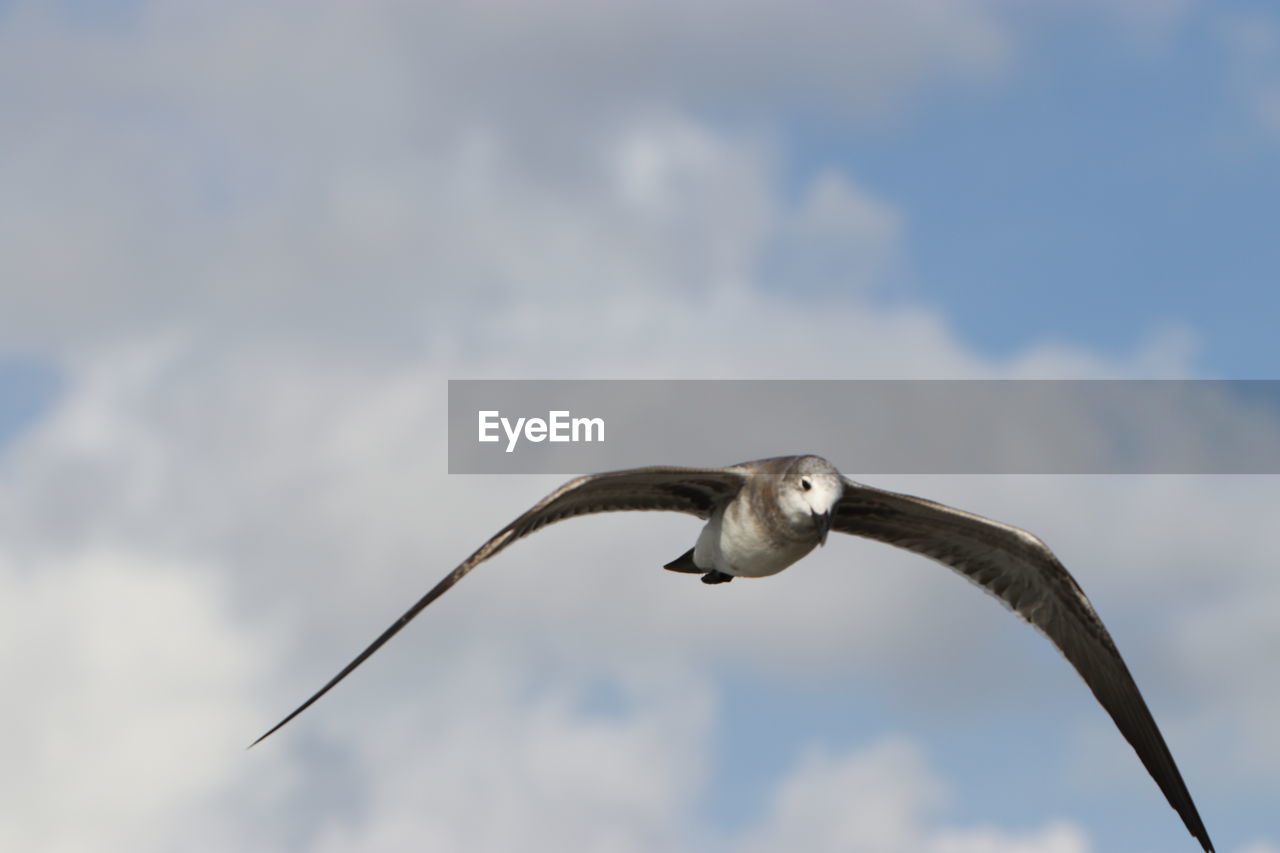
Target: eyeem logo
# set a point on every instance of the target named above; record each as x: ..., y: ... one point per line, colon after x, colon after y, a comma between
x: 558, y: 426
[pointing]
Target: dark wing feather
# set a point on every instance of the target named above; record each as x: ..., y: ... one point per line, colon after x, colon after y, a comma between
x: 696, y: 491
x: 1023, y: 573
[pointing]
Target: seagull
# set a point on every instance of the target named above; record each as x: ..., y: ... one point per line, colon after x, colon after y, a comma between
x: 763, y: 516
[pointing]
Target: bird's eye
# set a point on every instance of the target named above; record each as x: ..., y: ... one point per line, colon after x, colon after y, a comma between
x: 806, y: 485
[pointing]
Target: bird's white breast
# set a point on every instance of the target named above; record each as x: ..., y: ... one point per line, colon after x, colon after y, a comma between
x: 736, y: 542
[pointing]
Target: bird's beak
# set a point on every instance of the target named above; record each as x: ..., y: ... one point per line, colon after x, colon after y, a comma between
x: 822, y: 522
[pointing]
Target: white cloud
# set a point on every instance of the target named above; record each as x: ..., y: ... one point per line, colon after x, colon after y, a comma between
x: 264, y: 172
x: 1057, y: 837
x: 841, y: 238
x: 129, y: 687
x: 1260, y: 847
x: 533, y: 772
x: 873, y: 801
x: 851, y: 60
x: 883, y: 799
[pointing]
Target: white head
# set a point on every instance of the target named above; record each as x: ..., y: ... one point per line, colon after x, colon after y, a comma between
x: 808, y: 493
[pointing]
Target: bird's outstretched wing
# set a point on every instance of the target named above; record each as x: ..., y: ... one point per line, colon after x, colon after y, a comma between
x: 1023, y: 573
x: 696, y: 491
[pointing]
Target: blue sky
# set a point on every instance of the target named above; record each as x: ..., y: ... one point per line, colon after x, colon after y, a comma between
x: 1107, y: 189
x: 242, y: 249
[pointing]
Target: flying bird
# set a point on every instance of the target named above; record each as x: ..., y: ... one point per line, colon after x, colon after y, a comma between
x: 763, y: 516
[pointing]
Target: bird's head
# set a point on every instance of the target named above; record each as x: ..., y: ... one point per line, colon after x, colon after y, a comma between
x: 809, y: 490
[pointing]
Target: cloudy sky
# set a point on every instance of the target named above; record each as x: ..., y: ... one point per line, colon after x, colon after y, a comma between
x: 243, y: 246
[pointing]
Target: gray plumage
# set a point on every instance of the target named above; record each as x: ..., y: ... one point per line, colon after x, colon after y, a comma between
x: 765, y: 515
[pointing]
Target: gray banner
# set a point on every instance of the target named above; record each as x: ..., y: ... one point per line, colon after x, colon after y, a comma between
x: 868, y: 426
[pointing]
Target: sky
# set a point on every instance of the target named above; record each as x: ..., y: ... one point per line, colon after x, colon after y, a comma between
x: 243, y: 248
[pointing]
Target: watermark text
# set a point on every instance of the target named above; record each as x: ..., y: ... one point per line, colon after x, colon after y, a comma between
x: 559, y: 425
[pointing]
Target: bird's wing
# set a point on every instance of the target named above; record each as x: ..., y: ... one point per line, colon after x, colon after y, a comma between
x: 1023, y: 573
x: 696, y: 491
